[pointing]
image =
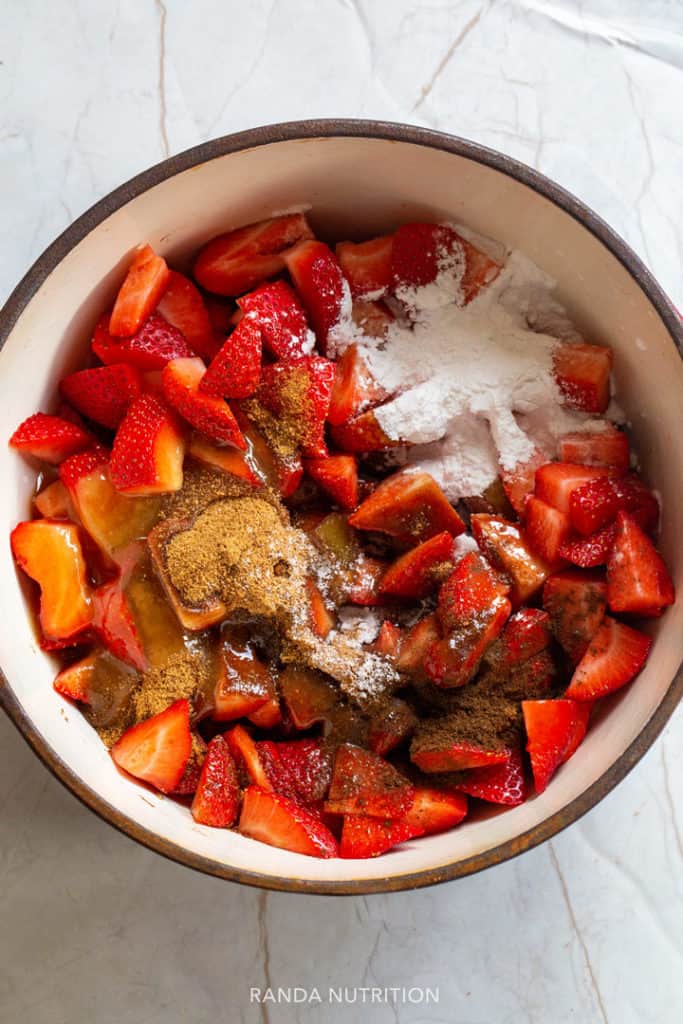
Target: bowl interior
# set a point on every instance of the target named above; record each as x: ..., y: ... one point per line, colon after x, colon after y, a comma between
x: 356, y: 187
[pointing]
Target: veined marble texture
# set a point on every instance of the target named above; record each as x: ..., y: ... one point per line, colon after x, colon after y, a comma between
x: 589, y: 927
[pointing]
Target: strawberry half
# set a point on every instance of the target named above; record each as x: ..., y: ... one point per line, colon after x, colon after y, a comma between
x: 363, y: 434
x: 409, y: 506
x: 217, y: 798
x: 153, y: 344
x: 276, y: 310
x: 593, y: 505
x: 615, y: 655
x: 181, y: 383
x: 298, y: 394
x: 104, y: 393
x: 498, y: 783
x: 338, y: 476
x: 366, y: 265
x: 589, y: 552
x: 49, y: 438
x: 582, y: 373
x: 141, y: 290
x: 183, y: 307
x: 148, y: 451
x: 638, y: 580
x: 554, y: 729
x: 455, y: 756
x: 364, y: 837
x: 363, y: 783
x: 420, y: 251
x: 435, y: 810
x: 546, y: 528
x: 575, y: 602
x: 115, y: 625
x: 158, y: 749
x: 278, y: 821
x: 318, y: 279
x: 507, y: 548
x: 471, y: 590
x: 556, y: 481
x: 354, y: 388
x: 235, y: 372
x: 526, y: 634
x: 416, y: 574
x: 607, y: 447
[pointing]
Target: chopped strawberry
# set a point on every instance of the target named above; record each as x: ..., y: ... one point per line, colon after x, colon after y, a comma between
x: 506, y: 547
x: 436, y: 810
x: 152, y: 345
x: 638, y: 580
x: 50, y: 553
x: 582, y: 373
x: 409, y: 506
x: 115, y: 625
x: 53, y: 502
x: 354, y: 388
x: 183, y: 307
x: 82, y: 464
x: 607, y: 447
x: 318, y: 279
x: 498, y: 783
x: 416, y: 573
x: 181, y: 383
x: 388, y: 643
x: 298, y: 393
x: 74, y: 680
x: 148, y: 451
x: 309, y: 765
x: 575, y: 602
x: 235, y: 372
x: 452, y: 756
x: 453, y: 661
x: 364, y: 837
x: 546, y: 528
x: 338, y: 476
x: 221, y: 313
x: 363, y: 587
x: 421, y: 251
x: 416, y: 643
x: 589, y: 552
x: 391, y: 726
x: 556, y: 481
x: 157, y: 749
x: 614, y: 656
x: 526, y: 634
x: 638, y: 500
x: 217, y: 799
x: 362, y: 434
x: 233, y: 263
x: 193, y: 769
x: 471, y: 590
x: 366, y: 265
x: 273, y: 819
x: 276, y: 310
x: 104, y: 393
x: 228, y: 459
x: 363, y: 783
x: 49, y: 438
x: 141, y: 290
x: 519, y: 482
x: 308, y: 696
x: 593, y: 505
x: 554, y: 729
x: 244, y: 683
x: 245, y: 752
x: 322, y: 620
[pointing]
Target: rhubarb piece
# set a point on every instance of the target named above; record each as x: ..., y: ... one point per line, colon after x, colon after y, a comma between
x: 363, y: 783
x: 364, y: 837
x: 436, y: 810
x: 276, y: 310
x: 554, y: 728
x: 417, y: 573
x: 354, y: 389
x: 50, y: 553
x: 547, y: 529
x: 556, y: 481
x: 53, y: 502
x: 421, y: 252
x: 337, y: 475
x: 615, y: 655
x: 416, y: 643
x: 229, y: 460
x: 157, y: 749
x: 147, y: 456
x: 519, y: 482
x: 592, y: 506
x: 607, y: 447
x: 497, y: 783
x: 49, y: 438
x: 283, y: 472
x: 244, y: 683
x: 181, y: 383
x: 104, y: 393
x: 183, y: 307
x: 575, y: 602
x: 246, y: 754
x: 235, y: 371
x: 318, y: 279
x: 273, y: 819
x: 638, y: 580
x: 505, y: 545
x: 582, y: 373
x: 366, y: 265
x: 308, y: 696
x: 217, y: 798
x: 471, y: 591
x: 390, y: 726
x: 409, y: 506
x: 140, y: 292
x: 152, y: 345
x: 194, y: 619
x: 589, y: 552
x: 363, y: 434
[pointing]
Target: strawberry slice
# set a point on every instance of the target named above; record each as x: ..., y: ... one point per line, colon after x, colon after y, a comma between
x: 246, y: 754
x: 556, y: 481
x: 582, y: 373
x: 50, y: 553
x: 638, y: 580
x: 364, y: 837
x: 193, y: 769
x: 298, y: 394
x: 217, y: 798
x: 471, y: 590
x: 141, y: 290
x: 363, y: 434
x: 309, y: 765
x: 74, y: 680
x: 235, y: 372
x: 104, y: 393
x: 607, y: 447
x: 152, y: 345
x: 416, y: 573
x: 363, y: 783
x: 322, y: 620
x: 615, y: 655
x: 421, y: 251
x: 498, y: 783
x: 229, y: 460
x: 157, y: 749
x: 454, y: 756
x: 244, y: 683
x: 391, y: 726
x: 415, y: 644
x: 183, y: 307
x: 546, y: 528
x: 181, y: 383
x: 388, y: 643
x: 148, y: 451
x: 234, y: 262
x: 366, y: 265
x: 354, y: 388
x: 554, y: 729
x: 519, y: 482
x: 276, y: 310
x: 318, y: 279
x: 338, y: 477
x: 593, y: 505
x: 638, y: 500
x: 273, y: 819
x: 526, y: 634
x: 115, y: 625
x: 436, y: 810
x: 53, y: 502
x: 49, y: 438
x: 589, y: 552
x: 409, y: 506
x: 575, y: 602
x: 506, y: 547
x: 453, y: 661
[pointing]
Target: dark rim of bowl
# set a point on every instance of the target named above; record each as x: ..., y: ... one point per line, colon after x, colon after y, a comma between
x: 393, y: 132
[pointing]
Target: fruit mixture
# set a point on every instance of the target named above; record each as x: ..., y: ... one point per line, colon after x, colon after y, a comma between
x: 261, y: 598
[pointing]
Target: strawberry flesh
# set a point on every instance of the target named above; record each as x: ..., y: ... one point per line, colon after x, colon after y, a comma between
x: 181, y: 382
x: 183, y: 307
x: 416, y: 573
x: 277, y: 312
x: 363, y: 783
x: 615, y: 654
x: 409, y: 506
x: 154, y: 343
x: 366, y: 265
x: 354, y: 388
x: 140, y: 292
x: 235, y: 371
x: 158, y: 749
x: 148, y: 451
x: 575, y: 602
x: 497, y: 783
x: 318, y: 279
x: 217, y: 797
x: 364, y: 837
x: 49, y: 438
x: 638, y: 580
x: 507, y: 548
x: 337, y: 475
x: 278, y: 821
x: 608, y: 447
x: 435, y: 810
x: 554, y: 729
x: 582, y: 373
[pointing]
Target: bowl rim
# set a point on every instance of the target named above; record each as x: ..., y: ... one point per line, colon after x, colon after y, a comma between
x: 393, y: 132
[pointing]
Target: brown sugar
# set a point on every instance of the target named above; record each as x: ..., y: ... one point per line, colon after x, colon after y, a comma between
x: 201, y: 487
x: 183, y: 675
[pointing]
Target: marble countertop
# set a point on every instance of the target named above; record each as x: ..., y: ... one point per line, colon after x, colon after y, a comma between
x: 587, y: 928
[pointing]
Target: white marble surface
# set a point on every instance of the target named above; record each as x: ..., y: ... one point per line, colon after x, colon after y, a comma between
x: 588, y: 928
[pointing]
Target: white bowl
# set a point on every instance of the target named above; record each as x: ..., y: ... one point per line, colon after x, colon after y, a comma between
x: 362, y: 178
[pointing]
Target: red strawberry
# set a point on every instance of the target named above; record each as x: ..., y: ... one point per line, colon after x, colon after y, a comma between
x: 519, y: 482
x: 582, y: 373
x: 82, y: 464
x: 53, y: 502
x: 50, y: 553
x: 246, y: 754
x: 391, y: 726
x: 364, y: 837
x: 554, y: 729
x: 299, y: 392
x: 318, y: 279
x: 157, y: 749
x: 154, y: 343
x: 409, y: 506
x: 362, y: 434
x: 526, y: 634
x: 115, y: 625
x: 281, y: 319
x: 363, y: 783
x: 435, y: 810
x: 217, y: 799
x: 236, y: 370
x: 420, y: 250
x: 366, y: 265
x: 322, y: 620
x: 338, y: 476
x: 273, y: 819
x: 388, y: 643
x: 415, y: 574
x: 183, y: 307
x: 593, y: 505
x: 638, y: 580
x: 49, y: 438
x: 556, y: 481
x: 416, y: 643
x: 228, y: 459
x: 221, y: 314
x: 181, y: 384
x: 547, y: 528
x: 147, y: 457
x: 282, y: 474
x: 142, y: 288
x: 614, y: 656
x: 454, y: 660
x: 233, y: 263
x: 575, y: 602
x: 455, y: 756
x: 588, y: 552
x: 498, y: 783
x: 607, y: 447
x: 363, y: 588
x: 472, y: 590
x: 309, y: 765
x: 193, y: 769
x: 506, y: 547
x: 635, y: 498
x: 354, y: 388
x: 104, y: 393
x: 74, y: 680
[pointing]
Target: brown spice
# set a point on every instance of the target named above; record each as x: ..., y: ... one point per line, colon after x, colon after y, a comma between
x: 285, y: 428
x: 201, y: 487
x: 183, y: 675
x: 475, y: 716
